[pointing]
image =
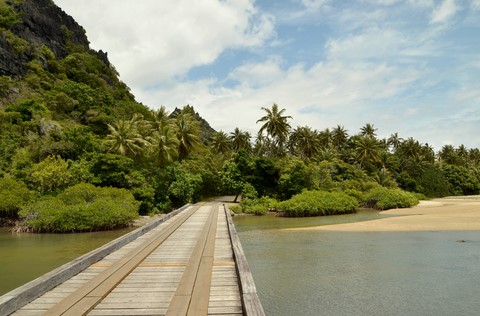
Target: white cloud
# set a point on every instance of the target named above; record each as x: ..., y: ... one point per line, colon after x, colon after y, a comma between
x: 319, y: 96
x: 158, y: 40
x: 257, y: 74
x: 444, y: 12
x: 475, y: 5
x: 371, y: 43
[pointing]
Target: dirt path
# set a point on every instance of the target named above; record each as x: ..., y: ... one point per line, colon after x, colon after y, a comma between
x: 452, y: 213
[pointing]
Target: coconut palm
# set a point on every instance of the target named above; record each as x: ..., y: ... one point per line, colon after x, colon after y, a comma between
x: 240, y: 140
x: 394, y: 141
x: 448, y: 155
x: 125, y: 138
x: 327, y: 154
x: 368, y: 130
x: 164, y: 144
x: 305, y: 142
x: 276, y: 125
x: 326, y: 138
x: 221, y: 143
x: 339, y: 137
x: 160, y: 118
x: 188, y: 134
x: 367, y: 151
x: 462, y: 153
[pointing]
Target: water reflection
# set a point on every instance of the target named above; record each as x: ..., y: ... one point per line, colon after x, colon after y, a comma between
x: 24, y: 257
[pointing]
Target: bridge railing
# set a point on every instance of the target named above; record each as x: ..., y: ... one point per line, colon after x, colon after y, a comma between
x: 250, y: 300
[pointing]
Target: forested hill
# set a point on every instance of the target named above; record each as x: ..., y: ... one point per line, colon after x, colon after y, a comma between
x: 67, y: 119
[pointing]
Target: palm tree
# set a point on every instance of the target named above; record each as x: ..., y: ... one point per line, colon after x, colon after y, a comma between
x: 164, y: 144
x: 327, y: 154
x: 367, y: 151
x: 448, y: 155
x: 276, y: 125
x: 325, y: 138
x: 160, y: 118
x: 221, y: 143
x: 394, y: 140
x: 410, y: 148
x: 188, y: 134
x: 368, y: 130
x: 462, y: 153
x: 305, y: 141
x: 339, y: 137
x: 474, y: 157
x: 240, y: 140
x: 125, y: 138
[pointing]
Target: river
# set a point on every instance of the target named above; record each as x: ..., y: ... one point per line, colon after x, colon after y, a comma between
x: 360, y: 273
x: 309, y: 272
x: 24, y: 257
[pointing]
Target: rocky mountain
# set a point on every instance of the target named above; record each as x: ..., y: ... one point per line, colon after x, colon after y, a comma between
x: 29, y: 25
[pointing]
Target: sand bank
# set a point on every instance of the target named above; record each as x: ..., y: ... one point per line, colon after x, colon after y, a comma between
x: 452, y: 213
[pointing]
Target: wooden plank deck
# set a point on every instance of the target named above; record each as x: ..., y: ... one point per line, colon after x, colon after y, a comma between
x: 191, y: 264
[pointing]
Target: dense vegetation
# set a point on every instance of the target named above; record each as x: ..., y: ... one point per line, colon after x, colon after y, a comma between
x: 68, y: 125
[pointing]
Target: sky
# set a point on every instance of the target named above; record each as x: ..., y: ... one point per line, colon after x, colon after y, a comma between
x: 410, y: 67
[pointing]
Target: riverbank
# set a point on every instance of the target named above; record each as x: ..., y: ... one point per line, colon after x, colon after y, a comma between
x: 450, y: 213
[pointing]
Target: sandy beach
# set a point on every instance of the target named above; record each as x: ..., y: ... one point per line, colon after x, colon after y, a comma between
x: 451, y: 213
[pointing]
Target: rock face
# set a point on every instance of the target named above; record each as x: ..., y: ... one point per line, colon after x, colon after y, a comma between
x: 41, y: 23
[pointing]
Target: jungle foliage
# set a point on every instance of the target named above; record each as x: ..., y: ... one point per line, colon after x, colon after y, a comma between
x: 70, y: 127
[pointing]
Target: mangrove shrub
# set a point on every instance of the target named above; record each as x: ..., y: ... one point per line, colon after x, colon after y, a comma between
x: 382, y: 198
x: 13, y: 194
x: 314, y: 203
x: 80, y: 208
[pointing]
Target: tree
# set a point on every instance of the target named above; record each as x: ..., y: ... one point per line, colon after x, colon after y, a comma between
x: 339, y: 137
x: 188, y: 134
x: 448, y: 155
x: 220, y: 142
x: 240, y: 140
x: 368, y: 130
x: 325, y: 138
x: 124, y: 137
x: 51, y: 174
x: 164, y: 144
x: 305, y: 142
x: 461, y: 179
x: 394, y: 141
x: 367, y: 150
x: 276, y: 125
x: 14, y: 194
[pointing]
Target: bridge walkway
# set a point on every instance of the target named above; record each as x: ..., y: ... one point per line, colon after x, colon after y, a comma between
x: 190, y: 264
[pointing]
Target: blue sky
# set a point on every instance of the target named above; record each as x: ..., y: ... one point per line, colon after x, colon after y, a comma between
x: 406, y: 66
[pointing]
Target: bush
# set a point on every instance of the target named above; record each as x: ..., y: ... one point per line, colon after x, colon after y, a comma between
x: 80, y: 208
x: 382, y: 198
x: 51, y: 174
x: 314, y: 203
x: 257, y: 206
x: 13, y: 194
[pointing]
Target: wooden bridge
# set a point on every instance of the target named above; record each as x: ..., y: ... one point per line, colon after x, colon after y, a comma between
x: 189, y: 263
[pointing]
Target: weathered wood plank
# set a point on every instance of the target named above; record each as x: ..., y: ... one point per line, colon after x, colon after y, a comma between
x: 251, y: 302
x: 101, y: 285
x: 191, y: 297
x: 21, y: 296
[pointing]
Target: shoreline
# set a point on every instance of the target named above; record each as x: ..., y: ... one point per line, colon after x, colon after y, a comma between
x: 457, y: 213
